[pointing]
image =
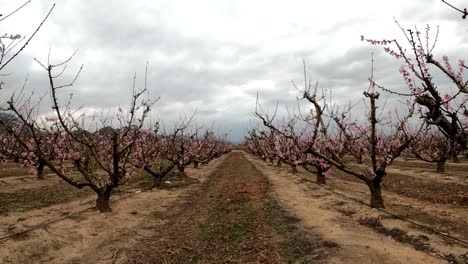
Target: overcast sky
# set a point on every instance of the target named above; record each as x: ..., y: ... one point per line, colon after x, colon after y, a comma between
x: 212, y: 57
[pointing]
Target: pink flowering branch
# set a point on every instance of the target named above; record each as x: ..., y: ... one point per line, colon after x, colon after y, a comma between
x: 327, y: 144
x: 102, y: 158
x: 444, y: 110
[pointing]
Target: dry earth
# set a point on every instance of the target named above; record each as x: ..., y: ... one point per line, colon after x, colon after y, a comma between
x: 91, y: 237
x: 233, y: 219
x: 237, y: 209
x: 353, y: 226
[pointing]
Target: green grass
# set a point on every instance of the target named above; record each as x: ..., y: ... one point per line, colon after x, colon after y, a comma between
x: 232, y: 233
x: 245, y: 172
x: 143, y: 177
x: 227, y: 231
x: 155, y: 215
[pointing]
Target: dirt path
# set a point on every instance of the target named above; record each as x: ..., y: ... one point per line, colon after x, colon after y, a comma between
x: 233, y: 219
x: 338, y: 220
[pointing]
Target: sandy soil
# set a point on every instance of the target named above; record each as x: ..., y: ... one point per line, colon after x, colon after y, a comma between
x: 348, y: 231
x: 91, y: 237
x: 337, y: 219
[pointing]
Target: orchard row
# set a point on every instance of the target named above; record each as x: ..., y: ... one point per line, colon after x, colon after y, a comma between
x: 429, y: 121
x: 97, y: 152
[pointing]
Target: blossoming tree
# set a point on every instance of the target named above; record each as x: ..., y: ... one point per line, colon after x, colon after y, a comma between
x: 101, y: 157
x: 384, y: 137
x: 421, y: 70
x: 432, y: 146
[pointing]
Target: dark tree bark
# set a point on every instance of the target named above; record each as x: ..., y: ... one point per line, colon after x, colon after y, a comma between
x: 156, y: 183
x: 376, y: 195
x: 293, y: 169
x: 441, y: 166
x: 103, y: 200
x: 278, y: 163
x: 360, y: 160
x: 320, y: 176
x: 40, y: 170
x: 181, y: 169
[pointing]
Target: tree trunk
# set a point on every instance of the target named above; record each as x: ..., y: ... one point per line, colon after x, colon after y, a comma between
x: 360, y: 160
x: 320, y: 177
x: 278, y: 163
x: 181, y: 170
x: 156, y: 182
x: 441, y: 166
x: 195, y: 164
x: 294, y: 169
x: 40, y: 170
x: 376, y: 200
x: 103, y: 200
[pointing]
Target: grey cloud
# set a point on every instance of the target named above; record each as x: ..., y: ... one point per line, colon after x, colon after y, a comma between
x: 194, y: 73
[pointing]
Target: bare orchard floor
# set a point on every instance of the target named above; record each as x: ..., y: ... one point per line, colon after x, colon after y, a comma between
x: 223, y: 213
x: 236, y: 209
x: 367, y: 235
x: 87, y: 237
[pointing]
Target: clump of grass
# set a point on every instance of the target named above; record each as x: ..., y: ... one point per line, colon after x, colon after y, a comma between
x: 155, y: 215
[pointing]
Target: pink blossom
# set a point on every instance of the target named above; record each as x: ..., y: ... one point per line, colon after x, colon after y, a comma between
x: 14, y: 37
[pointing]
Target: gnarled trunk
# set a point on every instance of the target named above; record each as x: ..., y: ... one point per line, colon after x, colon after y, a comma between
x: 195, y: 164
x: 375, y: 189
x: 40, y: 170
x: 156, y: 182
x: 103, y: 199
x: 278, y: 163
x: 441, y: 166
x: 293, y: 169
x: 320, y: 179
x: 181, y: 169
x: 360, y: 160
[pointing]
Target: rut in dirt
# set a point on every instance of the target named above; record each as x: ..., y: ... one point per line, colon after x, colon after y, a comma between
x: 232, y: 218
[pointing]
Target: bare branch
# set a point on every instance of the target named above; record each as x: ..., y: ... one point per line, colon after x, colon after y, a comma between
x: 14, y: 11
x: 464, y: 11
x: 29, y: 39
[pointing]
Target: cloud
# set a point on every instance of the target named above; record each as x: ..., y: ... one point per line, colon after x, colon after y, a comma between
x: 213, y: 57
